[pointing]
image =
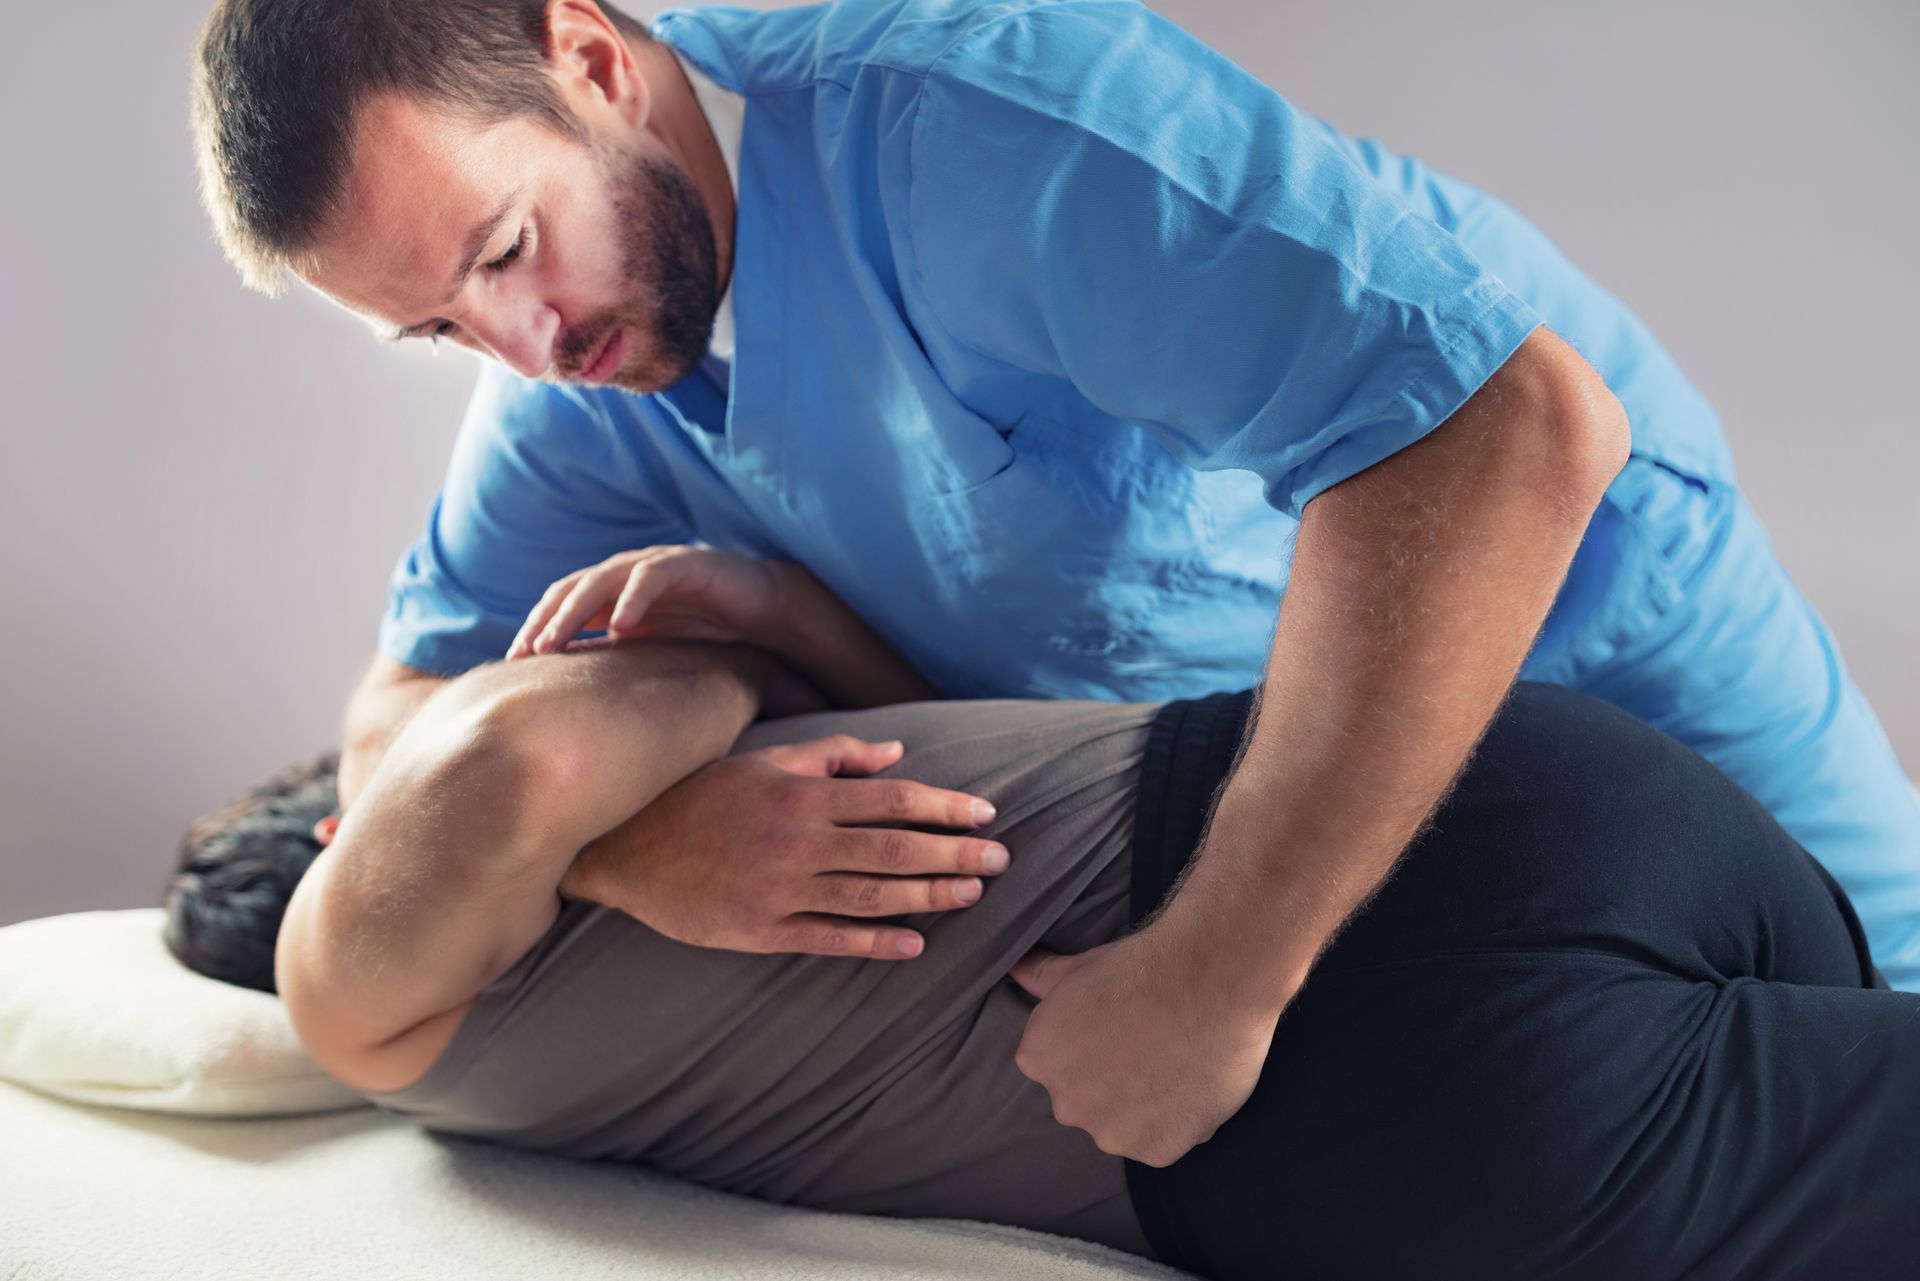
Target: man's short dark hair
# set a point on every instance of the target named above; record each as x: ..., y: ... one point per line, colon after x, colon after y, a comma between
x: 278, y: 86
x: 237, y: 871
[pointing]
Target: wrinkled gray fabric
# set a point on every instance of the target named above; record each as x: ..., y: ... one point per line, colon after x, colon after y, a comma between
x: 882, y: 1087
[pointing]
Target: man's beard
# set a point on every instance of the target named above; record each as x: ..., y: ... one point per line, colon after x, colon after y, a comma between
x: 666, y: 277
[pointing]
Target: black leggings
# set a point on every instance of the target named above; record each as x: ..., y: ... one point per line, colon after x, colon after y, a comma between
x: 1607, y: 1020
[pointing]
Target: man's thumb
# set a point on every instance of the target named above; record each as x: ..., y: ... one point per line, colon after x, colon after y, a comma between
x: 1039, y: 970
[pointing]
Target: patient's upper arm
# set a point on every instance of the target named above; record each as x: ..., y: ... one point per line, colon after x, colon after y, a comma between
x: 427, y: 894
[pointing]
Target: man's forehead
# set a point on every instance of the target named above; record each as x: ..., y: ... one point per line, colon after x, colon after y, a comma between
x: 417, y: 184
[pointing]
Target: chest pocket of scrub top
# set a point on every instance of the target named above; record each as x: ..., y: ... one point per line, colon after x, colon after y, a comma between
x: 1089, y: 533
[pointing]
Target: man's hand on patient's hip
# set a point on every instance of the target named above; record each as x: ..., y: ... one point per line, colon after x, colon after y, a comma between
x: 776, y: 851
x: 1136, y: 1047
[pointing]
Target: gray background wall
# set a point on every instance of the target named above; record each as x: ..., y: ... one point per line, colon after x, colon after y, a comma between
x: 203, y: 491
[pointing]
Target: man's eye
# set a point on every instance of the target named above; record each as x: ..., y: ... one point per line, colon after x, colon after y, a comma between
x: 506, y: 259
x: 442, y: 330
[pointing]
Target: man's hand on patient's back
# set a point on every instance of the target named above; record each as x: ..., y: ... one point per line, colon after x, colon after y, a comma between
x: 688, y: 593
x: 702, y: 593
x: 779, y: 851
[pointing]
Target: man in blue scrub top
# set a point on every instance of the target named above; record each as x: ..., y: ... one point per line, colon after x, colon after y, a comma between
x: 1063, y: 351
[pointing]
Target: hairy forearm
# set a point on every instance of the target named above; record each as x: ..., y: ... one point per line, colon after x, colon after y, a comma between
x: 836, y: 650
x: 448, y: 868
x: 1417, y: 589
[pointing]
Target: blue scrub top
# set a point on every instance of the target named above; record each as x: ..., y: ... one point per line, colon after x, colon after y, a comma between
x: 1050, y: 320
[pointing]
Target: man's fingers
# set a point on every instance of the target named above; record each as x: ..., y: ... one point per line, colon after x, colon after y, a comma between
x: 899, y: 800
x: 538, y: 616
x: 893, y: 895
x: 899, y: 851
x: 1038, y: 971
x: 858, y: 756
x: 829, y: 936
x: 590, y: 595
x: 645, y: 584
x: 835, y: 754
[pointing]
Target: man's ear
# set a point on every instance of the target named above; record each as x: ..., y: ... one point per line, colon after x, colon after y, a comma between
x: 591, y: 64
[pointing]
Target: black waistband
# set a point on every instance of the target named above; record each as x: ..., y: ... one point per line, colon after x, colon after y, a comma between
x: 1190, y: 746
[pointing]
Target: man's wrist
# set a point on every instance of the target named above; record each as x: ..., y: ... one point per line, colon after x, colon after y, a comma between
x: 834, y: 649
x: 746, y: 673
x: 590, y: 877
x: 1249, y: 922
x: 794, y: 632
x: 1249, y: 964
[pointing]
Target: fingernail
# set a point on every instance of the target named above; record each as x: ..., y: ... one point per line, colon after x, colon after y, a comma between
x: 983, y: 812
x: 996, y: 858
x: 909, y: 946
x: 967, y: 891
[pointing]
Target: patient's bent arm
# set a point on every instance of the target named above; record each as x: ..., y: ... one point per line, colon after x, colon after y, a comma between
x: 446, y: 868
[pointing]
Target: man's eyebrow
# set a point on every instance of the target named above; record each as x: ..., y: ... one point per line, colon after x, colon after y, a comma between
x: 477, y: 239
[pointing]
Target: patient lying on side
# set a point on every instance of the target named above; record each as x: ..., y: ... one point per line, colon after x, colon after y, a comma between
x: 468, y: 952
x: 443, y: 956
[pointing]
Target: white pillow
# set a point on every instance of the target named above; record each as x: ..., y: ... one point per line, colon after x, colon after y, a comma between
x: 94, y: 1008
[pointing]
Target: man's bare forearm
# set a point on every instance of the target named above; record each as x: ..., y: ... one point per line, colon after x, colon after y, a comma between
x: 834, y: 648
x: 446, y: 870
x: 1417, y: 589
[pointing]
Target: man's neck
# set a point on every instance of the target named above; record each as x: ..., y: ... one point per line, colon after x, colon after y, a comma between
x: 677, y: 119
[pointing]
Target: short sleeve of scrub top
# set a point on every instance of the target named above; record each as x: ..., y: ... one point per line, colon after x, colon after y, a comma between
x: 1097, y: 195
x: 539, y: 484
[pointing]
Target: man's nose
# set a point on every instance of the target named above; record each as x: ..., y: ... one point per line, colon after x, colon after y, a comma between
x: 519, y: 334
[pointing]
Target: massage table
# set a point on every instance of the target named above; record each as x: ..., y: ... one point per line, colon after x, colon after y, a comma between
x: 158, y: 1123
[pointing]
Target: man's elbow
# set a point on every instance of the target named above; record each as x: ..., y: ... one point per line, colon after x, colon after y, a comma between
x: 1590, y: 429
x: 1600, y: 441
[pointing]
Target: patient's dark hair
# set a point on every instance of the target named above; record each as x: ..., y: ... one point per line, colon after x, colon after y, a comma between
x: 278, y: 86
x: 237, y: 870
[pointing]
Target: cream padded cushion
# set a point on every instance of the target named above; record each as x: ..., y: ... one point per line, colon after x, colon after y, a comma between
x: 94, y: 1008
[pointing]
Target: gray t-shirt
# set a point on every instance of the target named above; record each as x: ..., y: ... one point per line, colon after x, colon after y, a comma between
x: 880, y: 1087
